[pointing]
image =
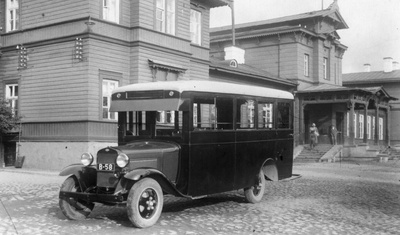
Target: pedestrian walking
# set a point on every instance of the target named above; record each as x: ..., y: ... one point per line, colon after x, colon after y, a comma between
x: 313, y: 136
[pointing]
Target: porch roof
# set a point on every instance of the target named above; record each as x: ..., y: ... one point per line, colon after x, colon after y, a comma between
x: 377, y: 90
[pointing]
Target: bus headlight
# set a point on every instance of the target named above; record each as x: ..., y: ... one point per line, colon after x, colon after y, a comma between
x: 122, y: 160
x: 87, y: 159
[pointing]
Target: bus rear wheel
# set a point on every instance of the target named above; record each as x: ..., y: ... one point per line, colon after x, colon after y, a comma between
x: 255, y: 193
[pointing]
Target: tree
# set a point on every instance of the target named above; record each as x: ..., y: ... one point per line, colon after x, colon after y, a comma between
x: 8, y: 120
x: 8, y: 123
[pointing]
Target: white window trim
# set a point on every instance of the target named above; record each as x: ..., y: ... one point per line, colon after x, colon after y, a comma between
x: 325, y: 68
x: 306, y: 65
x: 348, y: 124
x: 373, y: 127
x: 380, y: 128
x: 111, y: 12
x: 355, y: 125
x: 168, y: 16
x: 12, y: 97
x: 107, y: 93
x: 12, y: 8
x: 361, y: 125
x: 369, y: 127
x: 195, y: 26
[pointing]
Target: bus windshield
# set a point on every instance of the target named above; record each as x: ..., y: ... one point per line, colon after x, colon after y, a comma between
x: 150, y: 124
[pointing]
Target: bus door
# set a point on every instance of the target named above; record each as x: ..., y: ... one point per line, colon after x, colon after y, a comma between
x: 212, y: 147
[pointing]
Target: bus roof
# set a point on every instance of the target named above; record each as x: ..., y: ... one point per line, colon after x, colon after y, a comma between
x: 208, y: 86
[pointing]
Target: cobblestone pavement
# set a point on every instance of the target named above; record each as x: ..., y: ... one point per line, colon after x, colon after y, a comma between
x: 334, y: 198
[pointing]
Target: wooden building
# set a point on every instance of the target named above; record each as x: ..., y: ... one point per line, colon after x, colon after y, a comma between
x: 61, y: 59
x: 388, y: 79
x: 305, y: 49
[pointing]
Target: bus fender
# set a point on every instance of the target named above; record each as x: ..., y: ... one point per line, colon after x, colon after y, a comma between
x: 270, y: 170
x: 157, y: 175
x: 86, y: 175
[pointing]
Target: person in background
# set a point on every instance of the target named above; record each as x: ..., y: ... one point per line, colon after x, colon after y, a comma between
x: 313, y: 136
x: 333, y: 135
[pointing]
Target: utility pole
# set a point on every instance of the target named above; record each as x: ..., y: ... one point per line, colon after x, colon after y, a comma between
x: 231, y: 4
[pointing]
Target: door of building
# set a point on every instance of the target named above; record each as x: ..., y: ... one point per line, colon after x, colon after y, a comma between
x: 10, y: 153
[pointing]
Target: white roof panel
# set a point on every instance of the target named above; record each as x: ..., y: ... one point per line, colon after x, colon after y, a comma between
x: 208, y: 86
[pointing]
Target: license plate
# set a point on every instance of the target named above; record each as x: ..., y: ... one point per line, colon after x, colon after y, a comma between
x: 106, y: 166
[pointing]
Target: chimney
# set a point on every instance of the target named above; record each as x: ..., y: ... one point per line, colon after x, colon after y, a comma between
x: 367, y: 68
x: 396, y: 65
x: 387, y: 64
x: 234, y: 53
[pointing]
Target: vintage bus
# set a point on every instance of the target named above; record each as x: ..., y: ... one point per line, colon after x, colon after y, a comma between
x: 185, y: 138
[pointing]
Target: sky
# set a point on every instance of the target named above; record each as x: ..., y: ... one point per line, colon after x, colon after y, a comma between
x: 373, y: 33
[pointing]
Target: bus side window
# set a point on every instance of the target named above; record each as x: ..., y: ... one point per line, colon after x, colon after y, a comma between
x: 283, y: 115
x: 265, y: 115
x: 204, y: 114
x: 245, y: 114
x: 224, y: 113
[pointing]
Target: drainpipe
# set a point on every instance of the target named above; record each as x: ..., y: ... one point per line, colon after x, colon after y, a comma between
x: 279, y: 55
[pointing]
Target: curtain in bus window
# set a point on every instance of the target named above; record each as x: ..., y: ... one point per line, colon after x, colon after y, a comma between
x: 283, y: 115
x: 245, y: 114
x: 266, y: 115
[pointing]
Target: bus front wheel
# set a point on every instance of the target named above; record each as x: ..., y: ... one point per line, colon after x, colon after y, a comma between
x: 255, y: 193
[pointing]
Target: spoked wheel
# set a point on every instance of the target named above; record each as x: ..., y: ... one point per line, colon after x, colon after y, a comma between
x: 255, y: 193
x: 71, y: 208
x: 145, y: 202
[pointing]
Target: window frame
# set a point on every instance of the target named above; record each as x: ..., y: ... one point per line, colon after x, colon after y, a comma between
x: 380, y: 128
x: 197, y: 31
x: 325, y: 68
x: 168, y: 25
x: 369, y: 127
x: 361, y: 125
x: 112, y: 76
x: 12, y: 6
x: 306, y: 65
x: 12, y: 96
x: 117, y: 19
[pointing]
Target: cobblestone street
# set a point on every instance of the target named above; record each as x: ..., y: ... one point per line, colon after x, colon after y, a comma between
x: 334, y: 198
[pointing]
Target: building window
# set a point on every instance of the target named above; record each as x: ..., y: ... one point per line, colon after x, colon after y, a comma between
x: 380, y: 128
x: 369, y: 127
x: 111, y: 10
x: 361, y: 125
x: 108, y: 87
x: 195, y: 27
x: 12, y: 97
x: 373, y: 127
x: 12, y: 15
x: 165, y: 16
x: 348, y: 124
x: 306, y: 64
x: 265, y: 115
x: 355, y: 125
x: 325, y: 68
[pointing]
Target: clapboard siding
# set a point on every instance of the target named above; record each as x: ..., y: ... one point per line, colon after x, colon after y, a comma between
x: 264, y: 58
x: 71, y: 131
x: 43, y: 12
x: 146, y: 14
x: 54, y: 85
x: 199, y: 71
